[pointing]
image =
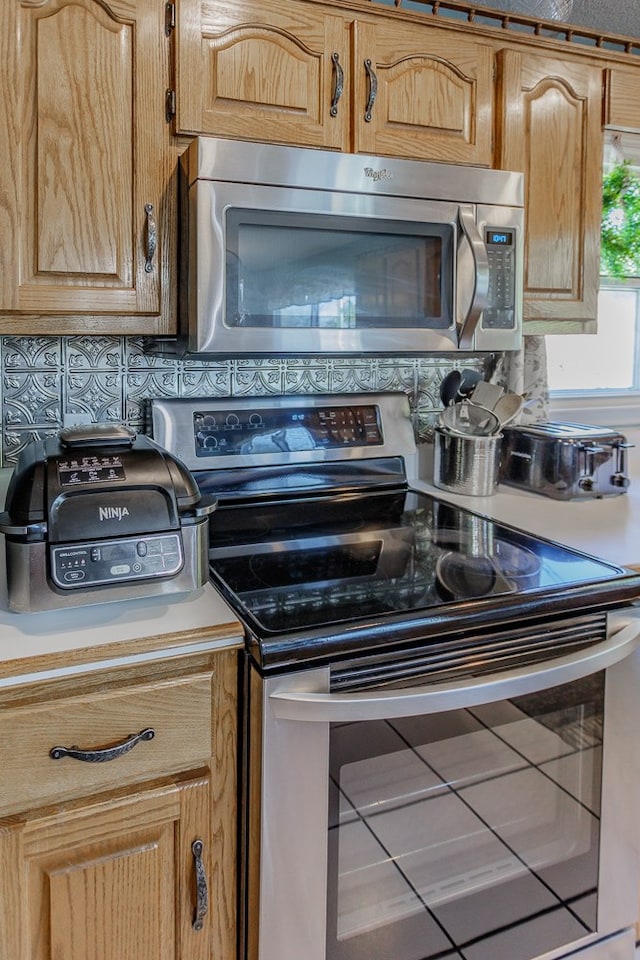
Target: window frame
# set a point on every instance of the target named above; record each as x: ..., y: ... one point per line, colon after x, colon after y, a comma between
x: 606, y: 406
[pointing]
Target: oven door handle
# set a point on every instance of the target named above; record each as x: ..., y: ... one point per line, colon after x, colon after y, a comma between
x: 624, y: 637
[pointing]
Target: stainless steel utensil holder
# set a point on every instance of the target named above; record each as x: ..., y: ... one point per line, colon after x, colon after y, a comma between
x: 467, y: 465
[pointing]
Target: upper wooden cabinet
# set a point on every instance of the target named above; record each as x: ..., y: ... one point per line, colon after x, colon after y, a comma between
x: 315, y: 76
x: 87, y: 214
x: 622, y: 105
x: 551, y: 129
x: 433, y: 93
x: 262, y: 71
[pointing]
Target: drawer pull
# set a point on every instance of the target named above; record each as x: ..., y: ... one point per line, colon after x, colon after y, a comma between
x: 202, y: 893
x: 105, y: 753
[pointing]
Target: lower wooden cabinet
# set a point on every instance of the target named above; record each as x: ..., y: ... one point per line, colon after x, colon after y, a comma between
x: 111, y: 880
x: 129, y: 859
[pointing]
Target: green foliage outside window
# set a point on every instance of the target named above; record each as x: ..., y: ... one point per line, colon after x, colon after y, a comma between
x: 620, y: 235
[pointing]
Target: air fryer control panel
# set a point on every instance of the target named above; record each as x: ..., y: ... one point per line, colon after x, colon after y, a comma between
x: 76, y: 565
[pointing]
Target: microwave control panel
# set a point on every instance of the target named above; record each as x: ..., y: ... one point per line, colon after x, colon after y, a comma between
x: 500, y: 312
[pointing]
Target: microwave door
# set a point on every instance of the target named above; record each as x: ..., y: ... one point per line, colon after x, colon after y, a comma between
x: 472, y: 276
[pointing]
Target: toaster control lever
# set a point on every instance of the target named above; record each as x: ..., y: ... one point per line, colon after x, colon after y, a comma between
x: 620, y: 478
x: 587, y: 480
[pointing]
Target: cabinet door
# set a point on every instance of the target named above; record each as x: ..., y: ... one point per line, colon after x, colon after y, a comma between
x: 85, y: 162
x: 111, y: 880
x: 551, y: 130
x: 262, y: 71
x: 622, y: 108
x: 422, y: 92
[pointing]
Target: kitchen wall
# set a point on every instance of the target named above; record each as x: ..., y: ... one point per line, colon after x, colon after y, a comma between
x: 610, y: 16
x: 45, y: 379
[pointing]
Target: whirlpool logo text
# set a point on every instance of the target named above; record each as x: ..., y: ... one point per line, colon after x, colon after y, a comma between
x: 377, y: 175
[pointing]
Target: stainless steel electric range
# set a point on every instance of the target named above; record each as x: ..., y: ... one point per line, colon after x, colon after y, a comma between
x: 429, y: 693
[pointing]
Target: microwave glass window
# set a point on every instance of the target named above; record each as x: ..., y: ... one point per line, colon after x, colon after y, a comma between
x: 297, y: 271
x: 472, y: 834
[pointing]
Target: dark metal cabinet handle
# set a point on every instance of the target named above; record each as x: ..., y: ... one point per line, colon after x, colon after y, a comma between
x: 152, y: 237
x: 202, y: 893
x: 339, y: 84
x: 373, y: 90
x: 103, y: 754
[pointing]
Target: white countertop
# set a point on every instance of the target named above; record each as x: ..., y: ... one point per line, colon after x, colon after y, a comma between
x: 75, y: 639
x: 127, y: 631
x: 608, y: 528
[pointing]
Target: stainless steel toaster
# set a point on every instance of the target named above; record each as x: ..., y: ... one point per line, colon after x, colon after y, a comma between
x: 566, y: 461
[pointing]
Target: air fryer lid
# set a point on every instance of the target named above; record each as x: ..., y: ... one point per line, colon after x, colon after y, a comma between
x: 65, y: 491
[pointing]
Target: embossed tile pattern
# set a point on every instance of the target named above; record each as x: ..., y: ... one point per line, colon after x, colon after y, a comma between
x: 109, y: 378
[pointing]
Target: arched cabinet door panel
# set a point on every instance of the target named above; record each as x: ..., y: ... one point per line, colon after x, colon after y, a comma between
x: 312, y: 75
x: 263, y: 71
x: 434, y: 94
x: 551, y: 130
x: 85, y: 165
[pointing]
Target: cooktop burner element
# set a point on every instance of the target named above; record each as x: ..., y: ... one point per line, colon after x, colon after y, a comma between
x: 326, y: 552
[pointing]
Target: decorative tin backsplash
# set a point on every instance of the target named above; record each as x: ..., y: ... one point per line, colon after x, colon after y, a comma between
x: 46, y: 380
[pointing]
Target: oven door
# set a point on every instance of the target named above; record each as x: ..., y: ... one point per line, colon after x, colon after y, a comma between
x: 482, y: 820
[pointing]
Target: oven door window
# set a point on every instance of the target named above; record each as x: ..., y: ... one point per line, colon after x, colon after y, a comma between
x: 472, y: 834
x: 297, y: 270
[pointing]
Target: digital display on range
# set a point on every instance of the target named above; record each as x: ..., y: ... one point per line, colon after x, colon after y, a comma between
x: 243, y: 433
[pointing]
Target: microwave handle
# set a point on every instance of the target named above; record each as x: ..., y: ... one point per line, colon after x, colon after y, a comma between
x: 479, y: 299
x: 439, y: 697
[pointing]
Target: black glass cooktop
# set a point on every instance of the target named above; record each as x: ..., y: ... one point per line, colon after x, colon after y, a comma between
x: 314, y: 565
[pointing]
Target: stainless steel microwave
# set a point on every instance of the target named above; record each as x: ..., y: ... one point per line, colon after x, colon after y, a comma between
x: 294, y: 251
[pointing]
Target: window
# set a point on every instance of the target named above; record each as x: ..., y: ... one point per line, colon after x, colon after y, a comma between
x: 587, y: 372
x: 605, y: 362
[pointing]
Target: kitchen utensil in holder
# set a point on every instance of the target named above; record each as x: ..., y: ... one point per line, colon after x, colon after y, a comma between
x: 467, y: 465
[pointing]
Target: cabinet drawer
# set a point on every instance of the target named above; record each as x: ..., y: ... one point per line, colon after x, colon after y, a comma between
x: 177, y: 711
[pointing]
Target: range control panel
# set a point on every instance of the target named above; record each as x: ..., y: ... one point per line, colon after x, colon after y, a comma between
x: 246, y: 432
x: 77, y: 565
